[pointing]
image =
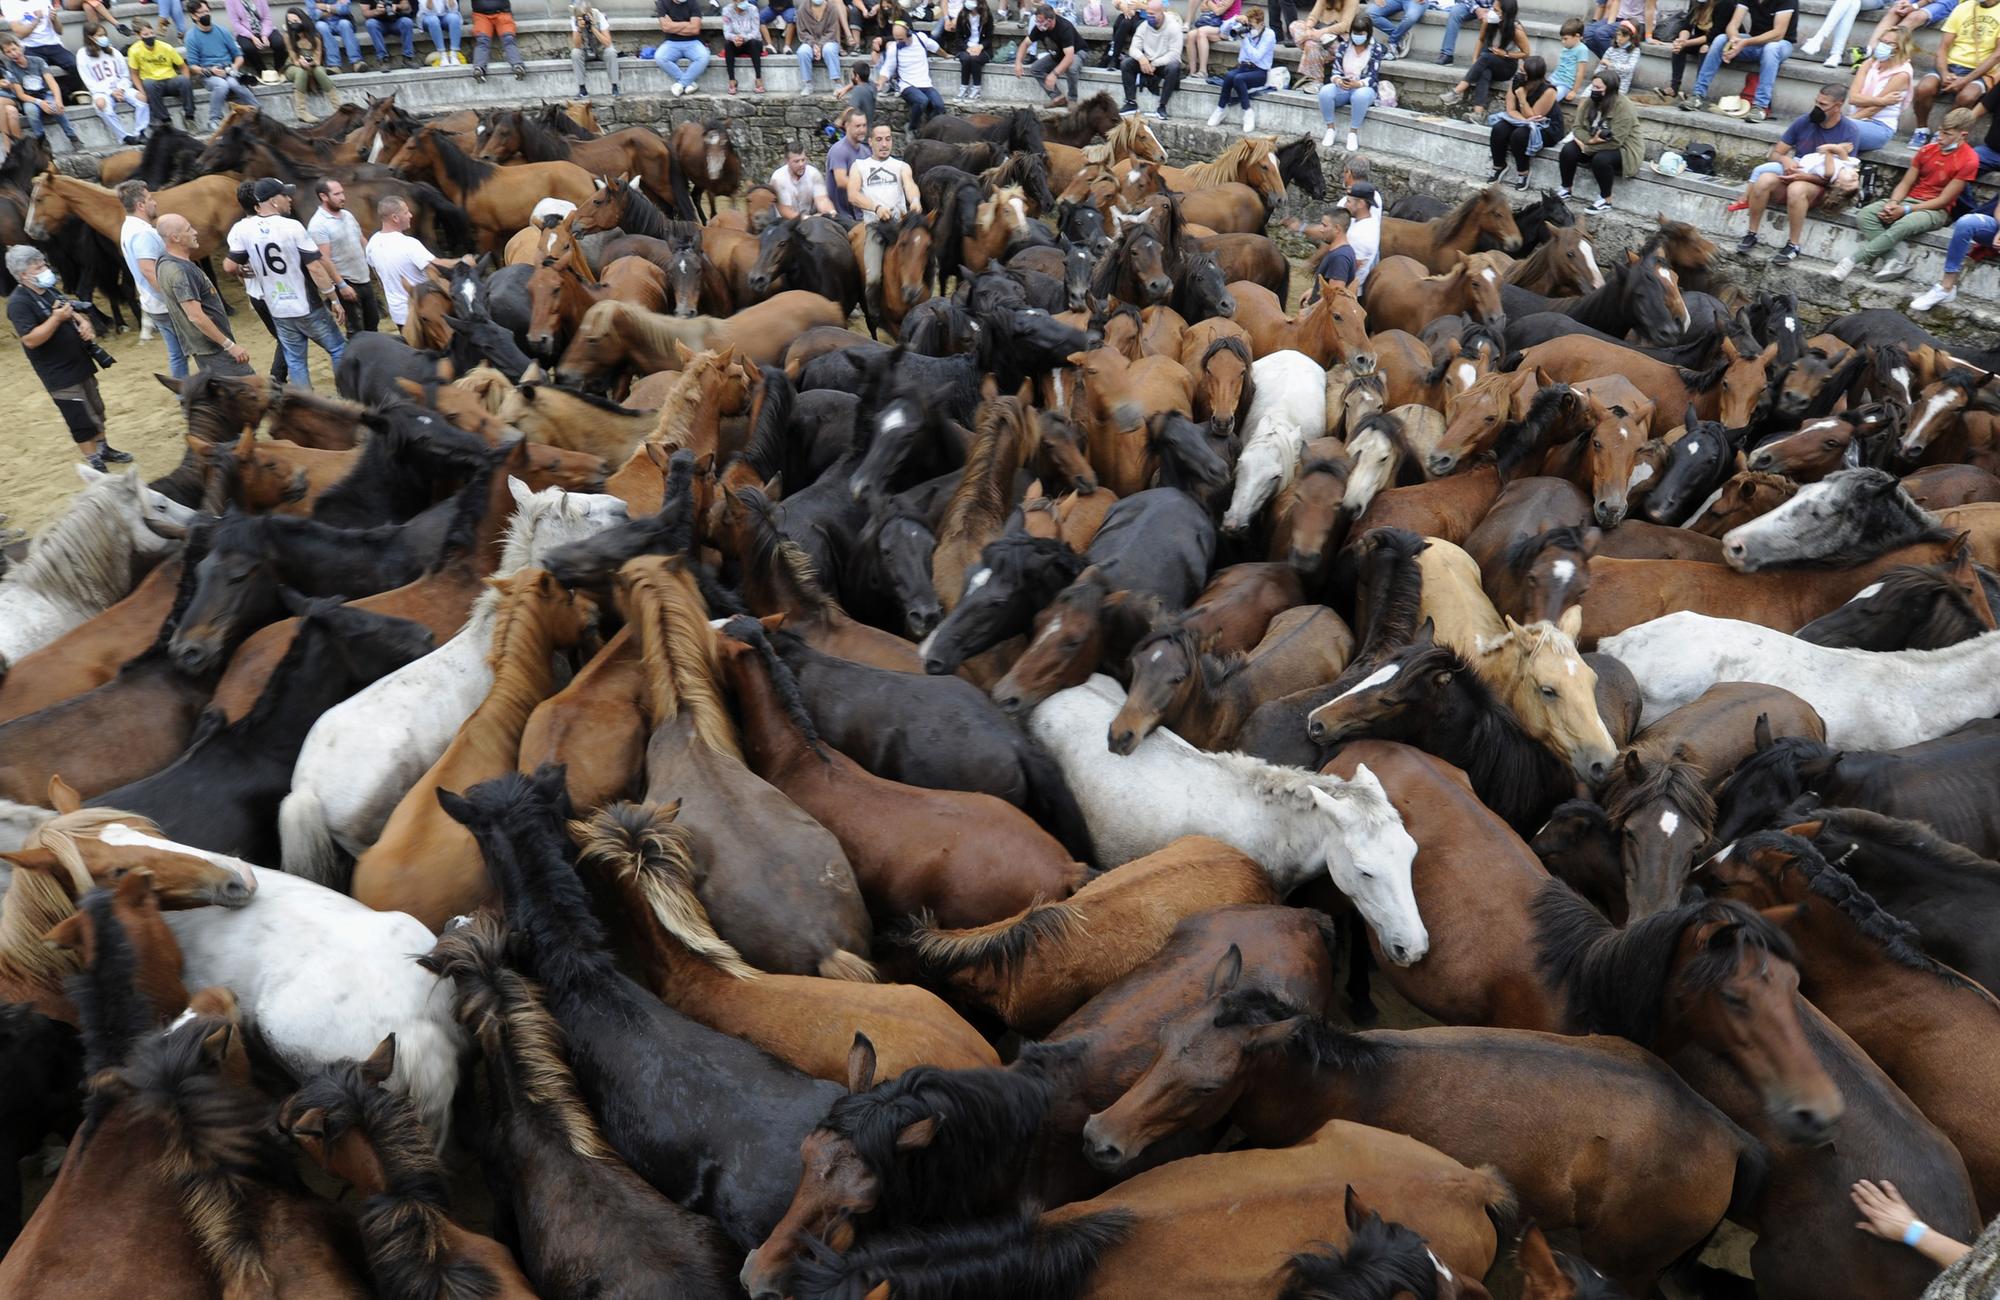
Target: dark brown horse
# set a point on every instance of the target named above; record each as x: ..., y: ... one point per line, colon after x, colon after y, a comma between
x: 708, y: 160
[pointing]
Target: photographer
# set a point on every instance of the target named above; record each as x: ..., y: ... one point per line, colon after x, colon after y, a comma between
x: 62, y: 347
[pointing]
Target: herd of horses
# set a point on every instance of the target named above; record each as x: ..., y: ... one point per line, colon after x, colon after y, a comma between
x: 797, y: 815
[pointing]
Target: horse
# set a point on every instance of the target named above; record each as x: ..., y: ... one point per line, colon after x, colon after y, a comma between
x: 208, y: 202
x: 1332, y: 330
x: 498, y: 201
x: 583, y: 1217
x: 615, y: 337
x: 1847, y: 518
x: 1403, y: 294
x: 633, y: 152
x: 1483, y: 216
x: 1289, y: 407
x: 1205, y: 699
x: 1642, y: 293
x: 708, y: 160
x: 1916, y: 607
x: 1562, y: 262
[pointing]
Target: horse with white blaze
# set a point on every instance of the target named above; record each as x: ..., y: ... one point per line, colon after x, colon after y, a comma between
x: 1295, y: 823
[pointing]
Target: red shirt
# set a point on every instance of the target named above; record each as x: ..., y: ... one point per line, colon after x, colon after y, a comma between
x: 1937, y: 169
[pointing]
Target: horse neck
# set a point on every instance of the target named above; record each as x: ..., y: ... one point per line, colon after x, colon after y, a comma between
x: 523, y: 659
x: 490, y: 544
x: 690, y: 417
x: 1859, y: 986
x: 1269, y: 1109
x: 677, y: 976
x: 771, y: 740
x: 98, y: 206
x: 980, y: 503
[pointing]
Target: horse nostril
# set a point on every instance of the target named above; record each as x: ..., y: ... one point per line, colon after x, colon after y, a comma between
x: 1316, y: 731
x: 936, y: 667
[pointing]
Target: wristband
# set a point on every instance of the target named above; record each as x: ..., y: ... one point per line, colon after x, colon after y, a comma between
x: 1914, y: 1233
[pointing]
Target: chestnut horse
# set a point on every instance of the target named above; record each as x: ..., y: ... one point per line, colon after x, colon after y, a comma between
x: 1332, y: 331
x: 1402, y: 293
x: 1482, y: 218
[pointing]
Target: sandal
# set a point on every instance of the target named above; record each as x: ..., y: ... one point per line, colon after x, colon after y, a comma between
x: 757, y: 86
x: 732, y: 87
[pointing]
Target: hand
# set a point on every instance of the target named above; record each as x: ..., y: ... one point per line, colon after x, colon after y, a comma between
x: 1729, y: 51
x: 63, y: 311
x: 86, y: 330
x: 1146, y: 66
x: 1884, y: 1212
x: 346, y: 291
x: 236, y: 352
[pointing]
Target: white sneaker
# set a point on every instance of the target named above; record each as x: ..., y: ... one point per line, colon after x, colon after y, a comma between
x: 1812, y: 47
x: 1935, y: 296
x: 1830, y: 61
x: 1895, y: 268
x: 679, y: 89
x: 1326, y: 141
x: 1215, y: 118
x: 1249, y: 120
x: 1842, y: 269
x: 1353, y: 142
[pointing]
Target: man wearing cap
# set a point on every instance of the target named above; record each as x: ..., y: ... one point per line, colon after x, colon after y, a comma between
x: 1364, y: 232
x: 276, y: 254
x: 1058, y: 53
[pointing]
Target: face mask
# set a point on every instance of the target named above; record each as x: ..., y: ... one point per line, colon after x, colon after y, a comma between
x: 45, y: 279
x: 1818, y: 116
x: 203, y: 21
x: 1883, y: 53
x: 1358, y: 39
x: 151, y: 40
x: 1596, y: 96
x: 1949, y: 146
x: 1152, y: 21
x: 103, y: 42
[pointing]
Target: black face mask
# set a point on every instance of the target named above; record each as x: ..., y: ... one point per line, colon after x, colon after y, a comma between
x: 203, y: 22
x: 1818, y: 116
x: 1596, y: 96
x: 151, y: 41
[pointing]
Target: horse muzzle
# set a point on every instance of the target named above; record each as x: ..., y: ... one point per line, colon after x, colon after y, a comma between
x: 923, y: 622
x: 1440, y: 464
x: 1609, y: 512
x: 1101, y: 1153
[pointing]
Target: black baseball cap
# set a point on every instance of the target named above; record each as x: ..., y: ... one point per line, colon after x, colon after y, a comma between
x: 1364, y: 190
x: 270, y: 188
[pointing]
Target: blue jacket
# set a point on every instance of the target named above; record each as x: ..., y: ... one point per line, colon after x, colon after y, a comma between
x: 214, y: 48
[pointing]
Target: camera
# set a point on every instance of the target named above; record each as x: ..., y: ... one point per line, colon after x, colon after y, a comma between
x: 103, y: 359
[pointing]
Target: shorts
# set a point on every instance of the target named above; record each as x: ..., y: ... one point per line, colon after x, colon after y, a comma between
x: 1938, y: 10
x: 82, y: 408
x: 492, y: 25
x: 1960, y: 70
x: 1208, y: 20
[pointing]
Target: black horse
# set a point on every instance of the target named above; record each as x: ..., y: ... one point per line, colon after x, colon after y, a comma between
x: 1015, y: 131
x: 810, y: 253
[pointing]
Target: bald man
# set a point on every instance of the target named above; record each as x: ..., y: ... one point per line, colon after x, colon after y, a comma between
x: 194, y: 308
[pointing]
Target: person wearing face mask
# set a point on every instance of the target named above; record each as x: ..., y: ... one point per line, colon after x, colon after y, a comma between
x: 1811, y: 162
x: 1351, y: 79
x: 1607, y: 137
x: 1621, y: 57
x: 1880, y: 89
x: 1153, y: 58
x: 161, y: 71
x: 1967, y: 51
x: 305, y: 65
x: 214, y: 56
x: 58, y: 338
x: 259, y: 37
x: 1920, y: 203
x: 907, y: 59
x: 108, y: 78
x: 1253, y: 67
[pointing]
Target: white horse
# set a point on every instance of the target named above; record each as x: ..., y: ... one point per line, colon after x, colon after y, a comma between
x: 1287, y: 407
x: 81, y: 564
x: 363, y: 755
x: 1869, y: 699
x: 1295, y: 823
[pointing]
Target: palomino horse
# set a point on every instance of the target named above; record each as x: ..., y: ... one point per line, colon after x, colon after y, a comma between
x: 1484, y: 216
x: 498, y: 200
x: 1236, y: 191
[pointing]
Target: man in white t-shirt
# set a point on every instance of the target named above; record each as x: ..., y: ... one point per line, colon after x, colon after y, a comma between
x: 1364, y: 234
x: 399, y: 257
x: 272, y: 251
x: 143, y: 248
x: 801, y: 189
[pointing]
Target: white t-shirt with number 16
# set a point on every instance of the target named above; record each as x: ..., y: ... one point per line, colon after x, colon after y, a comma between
x: 276, y: 250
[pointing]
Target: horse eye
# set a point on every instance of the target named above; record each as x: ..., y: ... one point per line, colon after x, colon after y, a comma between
x: 1548, y: 692
x: 1735, y: 1001
x: 1596, y: 444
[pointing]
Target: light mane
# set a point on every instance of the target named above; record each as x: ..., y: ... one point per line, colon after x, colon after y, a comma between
x: 642, y: 844
x: 678, y: 648
x: 1232, y: 164
x: 1293, y: 786
x: 658, y: 333
x: 84, y: 557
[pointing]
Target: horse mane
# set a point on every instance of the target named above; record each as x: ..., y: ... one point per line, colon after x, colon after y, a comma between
x: 1673, y: 779
x: 784, y: 682
x: 1911, y: 837
x: 785, y: 560
x: 1000, y: 945
x: 516, y: 621
x: 985, y: 1117
x: 539, y: 143
x: 981, y: 494
x: 1381, y: 1259
x: 604, y: 404
x: 1615, y: 980
x: 643, y: 845
x: 1522, y: 551
x: 459, y: 167
x: 83, y: 556
x: 641, y: 216
x: 110, y: 1010
x: 1391, y: 590
x: 1233, y: 344
x: 1226, y: 166
x: 503, y: 1009
x: 403, y: 1227
x: 654, y: 331
x: 771, y: 423
x: 1897, y: 938
x: 1022, y: 1254
x: 1453, y: 223
x: 678, y: 648
x: 1314, y: 1042
x: 1013, y: 554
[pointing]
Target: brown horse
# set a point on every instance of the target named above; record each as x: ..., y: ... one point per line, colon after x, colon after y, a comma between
x: 803, y: 1020
x: 616, y: 337
x: 1404, y: 295
x: 1483, y: 216
x: 1086, y: 625
x: 425, y: 863
x: 1033, y: 969
x: 90, y: 654
x: 1743, y: 497
x: 961, y: 859
x: 1008, y: 433
x: 208, y: 203
x: 595, y: 726
x: 1449, y: 508
x: 1114, y: 403
x: 707, y: 159
x: 635, y: 151
x: 559, y: 295
x: 904, y: 257
x: 277, y: 476
x: 498, y: 200
x: 1205, y: 698
x: 1333, y: 330
x: 564, y: 418
x: 1599, y: 428
x: 788, y: 899
x: 1921, y: 1021
x: 1129, y: 138
x: 1563, y: 265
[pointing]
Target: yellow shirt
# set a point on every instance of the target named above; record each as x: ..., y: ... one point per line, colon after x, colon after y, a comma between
x: 1975, y: 31
x: 156, y: 64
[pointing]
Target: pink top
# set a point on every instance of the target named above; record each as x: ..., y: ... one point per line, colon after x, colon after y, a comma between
x: 1875, y: 78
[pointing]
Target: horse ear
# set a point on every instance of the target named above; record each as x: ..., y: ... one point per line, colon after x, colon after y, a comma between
x: 518, y: 490
x: 989, y: 387
x: 1631, y: 257
x: 244, y: 444
x: 1571, y: 621
x: 659, y: 453
x: 170, y: 383
x: 1729, y: 348
x: 1426, y: 633
x: 134, y: 887
x: 1635, y: 767
x: 534, y: 374
x: 1761, y: 733
x: 1227, y: 971
x: 63, y: 796
x: 216, y: 1046
x: 1768, y: 355
x: 1784, y: 915
x: 411, y: 388
x: 68, y: 934
x: 683, y: 354
x: 1689, y: 420
x: 1357, y: 1210
x: 917, y: 1136
x: 1537, y: 1263
x: 456, y: 806
x: 860, y: 1064
x: 597, y: 182
x: 381, y: 1063
x: 309, y: 1125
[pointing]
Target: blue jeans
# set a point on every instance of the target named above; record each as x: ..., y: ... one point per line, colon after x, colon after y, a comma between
x: 37, y: 117
x: 1768, y: 58
x: 403, y: 27
x: 223, y: 89
x: 1870, y: 135
x: 175, y: 12
x: 1965, y: 232
x: 1597, y: 36
x: 338, y: 34
x: 829, y: 54
x: 924, y: 103
x: 293, y: 331
x: 1239, y: 81
x: 1988, y: 158
x: 177, y: 362
x: 1331, y: 98
x: 453, y: 23
x: 1460, y: 11
x: 770, y: 16
x: 1393, y: 18
x: 670, y: 53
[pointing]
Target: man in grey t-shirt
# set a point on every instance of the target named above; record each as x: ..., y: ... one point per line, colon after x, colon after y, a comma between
x: 338, y: 235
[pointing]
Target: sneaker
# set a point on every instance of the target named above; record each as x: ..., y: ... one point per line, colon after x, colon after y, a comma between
x: 1737, y: 206
x: 978, y: 93
x: 1249, y: 120
x: 583, y: 91
x: 1520, y: 180
x: 964, y: 93
x: 1128, y: 109
x: 361, y: 65
x: 1920, y: 138
x: 1443, y: 60
x: 1895, y: 268
x: 1215, y: 118
x: 1402, y: 50
x: 1562, y: 192
x: 614, y: 90
x: 1494, y: 175
x: 520, y: 72
x: 1935, y: 296
x: 1748, y: 244
x: 1832, y: 61
x: 131, y: 139
x: 732, y: 87
x: 1812, y: 48
x: 478, y: 73
x: 97, y: 463
x: 1450, y: 95
x: 1759, y: 115
x: 680, y: 88
x: 1786, y: 255
x: 1159, y: 115
x: 1692, y: 103
x: 1326, y: 141
x: 1842, y: 269
x: 1600, y: 205
x: 112, y: 456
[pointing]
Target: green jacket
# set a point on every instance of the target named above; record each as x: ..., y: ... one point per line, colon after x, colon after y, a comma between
x: 1627, y: 136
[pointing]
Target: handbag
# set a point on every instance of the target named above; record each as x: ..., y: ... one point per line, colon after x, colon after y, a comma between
x: 1700, y: 157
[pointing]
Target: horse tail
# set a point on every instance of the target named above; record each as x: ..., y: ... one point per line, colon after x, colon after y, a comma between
x: 454, y: 225
x: 427, y: 1055
x: 1501, y: 1204
x: 640, y: 842
x: 309, y: 851
x: 1022, y: 1254
x: 841, y: 964
x: 1051, y: 802
x: 999, y: 943
x: 685, y: 208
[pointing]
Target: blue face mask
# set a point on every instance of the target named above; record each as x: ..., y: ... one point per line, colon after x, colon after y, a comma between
x: 1153, y: 20
x: 45, y: 279
x: 1358, y: 39
x: 1883, y: 53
